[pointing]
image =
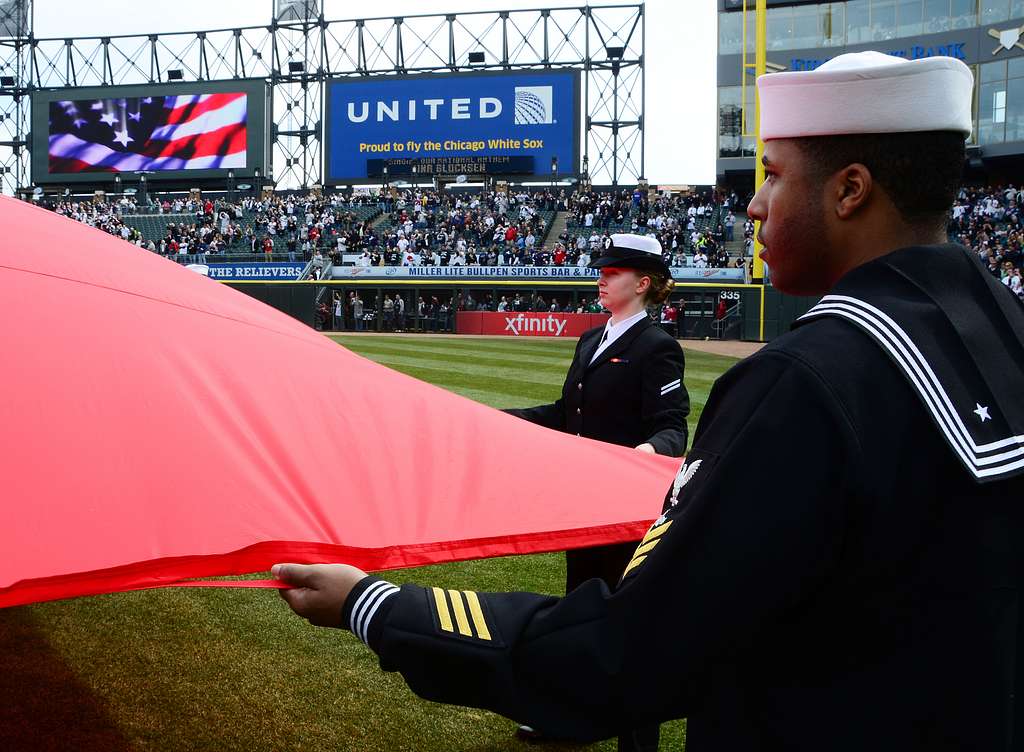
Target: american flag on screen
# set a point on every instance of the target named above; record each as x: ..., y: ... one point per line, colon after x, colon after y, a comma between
x: 190, y: 132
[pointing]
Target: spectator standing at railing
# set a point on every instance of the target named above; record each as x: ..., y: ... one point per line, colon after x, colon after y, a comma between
x: 337, y: 312
x: 356, y: 303
x: 399, y: 309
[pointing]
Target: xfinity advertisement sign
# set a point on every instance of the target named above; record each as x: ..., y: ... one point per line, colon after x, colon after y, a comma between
x: 463, y: 123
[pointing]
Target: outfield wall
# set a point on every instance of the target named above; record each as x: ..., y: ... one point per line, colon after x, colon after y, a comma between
x: 757, y: 313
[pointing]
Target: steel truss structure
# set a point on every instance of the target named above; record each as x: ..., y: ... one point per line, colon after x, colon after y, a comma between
x: 297, y: 58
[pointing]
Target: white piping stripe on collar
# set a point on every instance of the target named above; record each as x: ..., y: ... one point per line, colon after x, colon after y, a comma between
x: 889, y: 335
x: 916, y: 358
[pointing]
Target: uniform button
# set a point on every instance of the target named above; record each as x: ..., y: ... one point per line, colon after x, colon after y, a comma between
x: 579, y: 411
x: 579, y: 385
x: 579, y: 434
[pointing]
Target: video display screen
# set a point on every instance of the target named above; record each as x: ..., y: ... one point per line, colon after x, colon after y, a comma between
x: 127, y: 134
x: 169, y: 132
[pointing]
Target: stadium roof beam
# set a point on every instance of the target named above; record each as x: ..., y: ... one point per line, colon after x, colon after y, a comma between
x: 527, y: 39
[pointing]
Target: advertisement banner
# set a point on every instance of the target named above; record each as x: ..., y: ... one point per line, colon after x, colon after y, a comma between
x: 679, y: 273
x: 459, y: 123
x: 514, y: 324
x: 267, y: 271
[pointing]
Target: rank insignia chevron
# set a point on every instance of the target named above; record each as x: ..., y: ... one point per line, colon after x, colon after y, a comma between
x: 647, y: 545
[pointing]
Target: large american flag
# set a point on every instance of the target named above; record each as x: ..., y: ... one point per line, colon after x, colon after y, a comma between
x: 191, y: 132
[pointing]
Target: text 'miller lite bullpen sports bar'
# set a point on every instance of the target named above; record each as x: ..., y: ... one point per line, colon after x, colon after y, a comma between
x: 524, y: 124
x: 193, y: 131
x: 987, y: 35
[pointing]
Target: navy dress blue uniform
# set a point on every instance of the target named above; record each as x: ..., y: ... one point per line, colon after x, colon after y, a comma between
x: 630, y: 394
x: 840, y: 566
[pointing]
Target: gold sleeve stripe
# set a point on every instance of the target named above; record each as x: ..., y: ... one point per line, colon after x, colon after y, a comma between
x: 460, y: 613
x: 637, y: 561
x: 478, y: 615
x: 643, y: 548
x: 442, y: 610
x: 656, y: 532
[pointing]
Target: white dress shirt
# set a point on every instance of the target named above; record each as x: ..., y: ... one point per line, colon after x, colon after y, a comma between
x: 612, y: 333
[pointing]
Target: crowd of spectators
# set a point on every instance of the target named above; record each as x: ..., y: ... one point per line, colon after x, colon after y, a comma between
x: 427, y: 227
x: 989, y: 222
x: 431, y: 228
x: 693, y: 228
x: 103, y: 215
x: 421, y: 227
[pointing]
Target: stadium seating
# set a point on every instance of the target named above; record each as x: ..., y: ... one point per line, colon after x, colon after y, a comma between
x: 986, y: 220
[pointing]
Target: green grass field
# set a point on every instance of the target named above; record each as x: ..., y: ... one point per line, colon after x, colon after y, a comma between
x: 221, y: 669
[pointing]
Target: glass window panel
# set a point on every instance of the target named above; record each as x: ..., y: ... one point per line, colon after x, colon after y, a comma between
x: 908, y: 18
x: 751, y: 30
x: 993, y: 11
x: 833, y: 24
x: 993, y: 71
x: 1016, y: 67
x: 730, y: 33
x: 808, y: 25
x: 883, y: 20
x: 936, y: 16
x: 729, y: 121
x: 1015, y: 110
x: 1016, y: 8
x: 964, y: 13
x: 992, y: 113
x: 858, y: 20
x: 780, y: 28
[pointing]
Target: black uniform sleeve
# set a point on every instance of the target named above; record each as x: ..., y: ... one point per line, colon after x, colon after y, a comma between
x: 665, y: 401
x: 739, y: 551
x: 549, y: 416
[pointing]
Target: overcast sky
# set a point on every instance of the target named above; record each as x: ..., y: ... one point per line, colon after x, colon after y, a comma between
x: 680, y: 95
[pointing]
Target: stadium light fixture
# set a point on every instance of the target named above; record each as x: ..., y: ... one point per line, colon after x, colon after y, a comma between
x: 175, y: 74
x: 295, y: 67
x: 7, y: 81
x: 615, y: 53
x: 476, y: 57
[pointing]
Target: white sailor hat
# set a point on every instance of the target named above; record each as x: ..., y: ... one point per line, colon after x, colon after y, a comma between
x: 867, y: 92
x: 631, y: 252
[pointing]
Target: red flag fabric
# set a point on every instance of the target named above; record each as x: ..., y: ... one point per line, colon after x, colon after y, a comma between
x: 161, y: 426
